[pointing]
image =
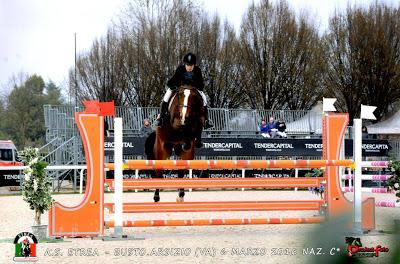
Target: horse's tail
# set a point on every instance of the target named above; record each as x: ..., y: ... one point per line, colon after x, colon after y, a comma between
x: 149, y: 146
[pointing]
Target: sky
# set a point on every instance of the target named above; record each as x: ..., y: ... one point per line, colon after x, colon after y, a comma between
x: 37, y: 36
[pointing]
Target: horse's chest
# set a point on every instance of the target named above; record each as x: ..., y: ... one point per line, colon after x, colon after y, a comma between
x: 178, y: 137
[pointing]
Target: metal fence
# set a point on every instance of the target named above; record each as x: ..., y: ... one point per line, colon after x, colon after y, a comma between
x: 395, y: 151
x: 64, y: 144
x: 59, y: 120
x: 60, y: 126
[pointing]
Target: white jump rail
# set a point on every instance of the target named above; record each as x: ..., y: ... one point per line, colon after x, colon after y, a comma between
x: 50, y: 167
x: 82, y: 169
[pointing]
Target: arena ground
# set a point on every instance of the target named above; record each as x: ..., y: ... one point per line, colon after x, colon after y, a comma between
x: 306, y: 243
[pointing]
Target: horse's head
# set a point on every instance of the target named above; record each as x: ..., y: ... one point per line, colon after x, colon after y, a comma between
x: 186, y: 109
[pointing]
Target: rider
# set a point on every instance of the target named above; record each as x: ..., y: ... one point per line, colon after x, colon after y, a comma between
x: 188, y: 73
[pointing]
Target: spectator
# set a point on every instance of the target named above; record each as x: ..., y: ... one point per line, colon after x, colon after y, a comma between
x: 364, y: 131
x: 281, y: 126
x: 271, y: 128
x: 268, y: 130
x: 106, y: 128
x: 146, y: 129
x: 263, y: 128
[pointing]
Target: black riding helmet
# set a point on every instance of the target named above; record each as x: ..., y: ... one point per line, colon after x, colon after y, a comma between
x: 190, y: 59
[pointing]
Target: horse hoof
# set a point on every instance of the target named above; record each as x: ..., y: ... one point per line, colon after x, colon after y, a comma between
x: 179, y: 199
x: 156, y: 198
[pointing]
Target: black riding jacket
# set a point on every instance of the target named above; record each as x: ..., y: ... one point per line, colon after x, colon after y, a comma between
x: 182, y: 77
x: 281, y: 126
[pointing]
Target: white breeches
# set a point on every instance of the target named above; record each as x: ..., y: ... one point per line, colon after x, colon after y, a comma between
x: 281, y: 134
x: 168, y: 94
x: 204, y: 98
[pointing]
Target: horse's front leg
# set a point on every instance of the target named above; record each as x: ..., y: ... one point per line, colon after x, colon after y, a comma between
x: 181, y: 195
x: 185, y: 155
x: 157, y: 192
x: 157, y: 195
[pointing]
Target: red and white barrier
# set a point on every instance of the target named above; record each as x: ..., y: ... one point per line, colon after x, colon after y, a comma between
x: 371, y: 177
x: 375, y: 164
x: 368, y: 190
x: 387, y: 204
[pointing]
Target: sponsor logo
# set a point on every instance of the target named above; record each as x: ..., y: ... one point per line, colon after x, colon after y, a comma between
x: 375, y: 147
x: 356, y: 249
x: 313, y: 146
x: 222, y: 146
x: 11, y: 177
x: 271, y: 175
x: 110, y: 145
x: 273, y: 146
x: 25, y: 247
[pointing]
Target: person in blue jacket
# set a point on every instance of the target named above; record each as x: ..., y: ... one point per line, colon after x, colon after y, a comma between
x: 263, y: 128
x: 268, y: 130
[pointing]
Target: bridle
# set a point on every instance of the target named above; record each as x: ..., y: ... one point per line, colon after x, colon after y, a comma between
x: 184, y: 106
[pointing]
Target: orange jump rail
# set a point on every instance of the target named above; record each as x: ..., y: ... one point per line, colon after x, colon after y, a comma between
x: 218, y: 206
x: 226, y: 164
x: 218, y: 221
x: 224, y: 183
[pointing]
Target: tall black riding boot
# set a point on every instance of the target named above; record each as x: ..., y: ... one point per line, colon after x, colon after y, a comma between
x: 163, y: 114
x: 207, y: 123
x: 197, y: 142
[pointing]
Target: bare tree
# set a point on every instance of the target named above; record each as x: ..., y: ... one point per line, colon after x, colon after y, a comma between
x: 281, y: 55
x: 221, y: 67
x: 99, y: 73
x: 149, y: 43
x: 363, y: 51
x: 156, y: 35
x: 275, y: 63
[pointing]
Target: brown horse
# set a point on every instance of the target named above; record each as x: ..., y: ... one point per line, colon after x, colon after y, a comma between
x: 178, y: 135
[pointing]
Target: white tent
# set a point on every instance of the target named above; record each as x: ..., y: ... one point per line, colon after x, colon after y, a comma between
x: 389, y: 126
x: 310, y: 123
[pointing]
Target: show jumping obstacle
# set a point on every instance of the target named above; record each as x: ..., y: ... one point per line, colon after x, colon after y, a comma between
x: 228, y: 164
x: 376, y: 177
x: 387, y: 204
x: 87, y: 218
x: 130, y: 184
x: 367, y: 189
x: 217, y: 206
x: 234, y: 221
